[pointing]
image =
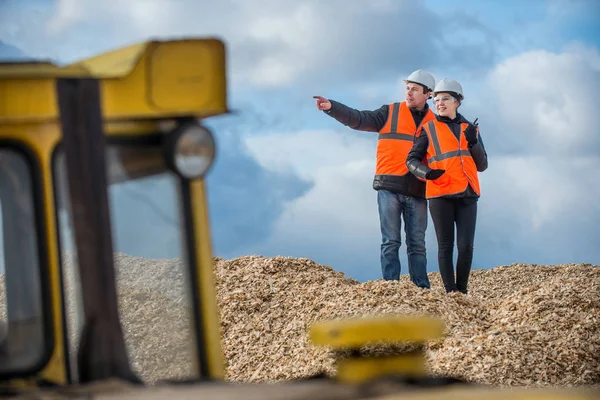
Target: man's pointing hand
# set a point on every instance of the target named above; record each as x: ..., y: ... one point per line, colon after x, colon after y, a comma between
x: 322, y: 103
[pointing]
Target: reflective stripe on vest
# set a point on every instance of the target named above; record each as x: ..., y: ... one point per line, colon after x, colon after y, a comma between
x: 396, y: 139
x: 453, y: 155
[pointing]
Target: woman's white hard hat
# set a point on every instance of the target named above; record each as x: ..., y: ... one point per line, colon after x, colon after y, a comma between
x: 449, y: 85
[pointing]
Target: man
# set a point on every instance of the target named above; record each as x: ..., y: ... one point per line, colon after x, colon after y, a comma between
x: 400, y: 194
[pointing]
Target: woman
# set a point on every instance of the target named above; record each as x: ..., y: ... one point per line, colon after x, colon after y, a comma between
x: 454, y: 153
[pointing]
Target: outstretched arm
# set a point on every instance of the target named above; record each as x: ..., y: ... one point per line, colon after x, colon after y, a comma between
x: 371, y: 121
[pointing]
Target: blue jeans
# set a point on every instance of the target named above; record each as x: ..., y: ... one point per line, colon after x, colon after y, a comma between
x: 393, y: 207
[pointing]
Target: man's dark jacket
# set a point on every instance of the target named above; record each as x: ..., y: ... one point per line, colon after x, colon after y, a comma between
x: 374, y: 121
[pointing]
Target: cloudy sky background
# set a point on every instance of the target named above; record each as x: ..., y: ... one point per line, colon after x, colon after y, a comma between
x: 291, y: 181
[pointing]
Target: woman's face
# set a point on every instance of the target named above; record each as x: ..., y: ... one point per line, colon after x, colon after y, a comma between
x: 445, y: 104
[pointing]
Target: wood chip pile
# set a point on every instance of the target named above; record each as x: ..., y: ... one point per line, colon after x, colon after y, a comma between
x: 520, y: 325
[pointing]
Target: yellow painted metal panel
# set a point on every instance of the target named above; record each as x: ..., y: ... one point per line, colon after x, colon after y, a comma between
x: 38, y: 70
x: 156, y: 79
x: 41, y: 139
x: 358, y: 370
x: 206, y: 281
x: 27, y: 100
x: 361, y: 331
x: 170, y: 79
x: 115, y: 63
x: 198, y: 82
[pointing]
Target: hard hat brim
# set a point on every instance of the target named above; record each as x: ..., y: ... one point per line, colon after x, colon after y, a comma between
x: 418, y: 83
x: 457, y: 96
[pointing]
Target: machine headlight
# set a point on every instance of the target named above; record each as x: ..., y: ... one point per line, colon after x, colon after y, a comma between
x: 192, y: 150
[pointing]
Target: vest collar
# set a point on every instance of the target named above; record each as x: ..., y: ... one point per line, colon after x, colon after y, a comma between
x: 420, y: 112
x: 458, y: 120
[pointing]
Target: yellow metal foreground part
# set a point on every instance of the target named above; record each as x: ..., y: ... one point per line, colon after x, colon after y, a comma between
x: 208, y: 301
x: 366, y: 368
x: 149, y: 80
x: 40, y: 139
x: 352, y: 334
x: 357, y: 332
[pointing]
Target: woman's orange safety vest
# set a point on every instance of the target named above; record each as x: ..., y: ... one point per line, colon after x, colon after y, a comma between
x: 396, y: 139
x: 447, y: 152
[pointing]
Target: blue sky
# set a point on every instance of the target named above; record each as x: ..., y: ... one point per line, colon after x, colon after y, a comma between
x: 291, y: 181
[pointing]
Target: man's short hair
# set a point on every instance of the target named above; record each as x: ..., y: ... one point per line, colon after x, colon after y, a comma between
x: 425, y: 89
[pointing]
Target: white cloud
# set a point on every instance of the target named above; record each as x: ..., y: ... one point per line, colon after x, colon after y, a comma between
x: 570, y: 8
x: 296, y: 31
x: 341, y: 167
x: 272, y: 71
x: 307, y: 152
x: 545, y: 101
x: 68, y: 12
x: 271, y: 43
x: 337, y: 218
x: 341, y: 202
x: 540, y: 192
x: 296, y: 28
x: 141, y: 15
x: 539, y: 105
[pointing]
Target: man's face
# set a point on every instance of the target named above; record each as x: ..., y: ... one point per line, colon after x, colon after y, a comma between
x: 415, y: 96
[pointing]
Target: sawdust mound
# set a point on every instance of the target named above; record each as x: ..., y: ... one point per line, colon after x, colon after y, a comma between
x: 520, y: 325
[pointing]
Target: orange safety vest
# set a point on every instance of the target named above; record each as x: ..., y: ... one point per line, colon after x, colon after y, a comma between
x: 396, y: 139
x: 447, y: 152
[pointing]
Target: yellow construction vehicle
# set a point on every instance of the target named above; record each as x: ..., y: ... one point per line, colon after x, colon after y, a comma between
x: 68, y: 134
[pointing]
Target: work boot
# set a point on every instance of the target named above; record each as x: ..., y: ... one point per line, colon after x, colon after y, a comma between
x: 450, y: 288
x: 462, y: 288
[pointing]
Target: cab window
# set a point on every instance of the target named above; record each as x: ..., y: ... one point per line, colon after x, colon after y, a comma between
x: 21, y: 322
x: 149, y: 260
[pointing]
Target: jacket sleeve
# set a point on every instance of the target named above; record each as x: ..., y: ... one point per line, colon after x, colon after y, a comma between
x: 371, y: 121
x: 479, y: 154
x: 417, y: 154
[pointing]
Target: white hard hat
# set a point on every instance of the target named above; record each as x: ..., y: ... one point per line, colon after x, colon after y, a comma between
x: 449, y: 85
x: 423, y: 78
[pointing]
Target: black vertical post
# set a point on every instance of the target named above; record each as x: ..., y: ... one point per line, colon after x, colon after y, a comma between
x: 102, y: 352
